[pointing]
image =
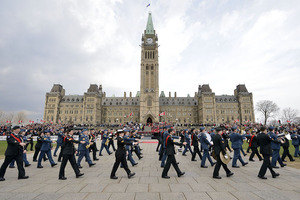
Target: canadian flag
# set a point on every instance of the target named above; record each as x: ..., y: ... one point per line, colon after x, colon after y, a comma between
x: 29, y: 121
x: 162, y: 114
x: 8, y: 121
x: 20, y: 121
x: 288, y: 121
x: 131, y: 114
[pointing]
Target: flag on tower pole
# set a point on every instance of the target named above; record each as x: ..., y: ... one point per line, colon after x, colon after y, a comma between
x: 148, y: 5
x: 131, y: 114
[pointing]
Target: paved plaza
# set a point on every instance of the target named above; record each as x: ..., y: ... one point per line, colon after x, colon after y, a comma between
x: 197, y: 183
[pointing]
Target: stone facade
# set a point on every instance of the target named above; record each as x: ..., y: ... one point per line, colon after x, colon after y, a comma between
x: 95, y: 108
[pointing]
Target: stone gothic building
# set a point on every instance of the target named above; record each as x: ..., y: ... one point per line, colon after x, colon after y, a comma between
x: 93, y: 107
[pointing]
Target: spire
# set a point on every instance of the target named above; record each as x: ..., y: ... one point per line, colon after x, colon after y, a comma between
x: 149, y: 27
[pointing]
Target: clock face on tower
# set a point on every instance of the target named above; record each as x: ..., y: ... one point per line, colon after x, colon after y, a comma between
x: 149, y: 40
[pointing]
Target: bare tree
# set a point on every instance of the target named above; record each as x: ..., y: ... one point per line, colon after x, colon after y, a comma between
x: 267, y: 108
x: 9, y: 117
x: 21, y: 116
x: 1, y: 115
x: 289, y: 114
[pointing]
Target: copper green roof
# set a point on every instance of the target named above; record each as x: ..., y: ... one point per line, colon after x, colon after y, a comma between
x: 149, y: 27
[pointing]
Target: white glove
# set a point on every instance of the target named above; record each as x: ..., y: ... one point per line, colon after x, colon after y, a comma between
x: 226, y: 157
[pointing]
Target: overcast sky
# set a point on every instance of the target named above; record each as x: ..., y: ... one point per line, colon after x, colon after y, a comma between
x: 220, y: 42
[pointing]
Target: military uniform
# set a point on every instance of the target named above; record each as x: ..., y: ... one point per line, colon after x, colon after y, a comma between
x: 295, y: 142
x: 103, y: 143
x: 120, y: 158
x: 286, y: 151
x: 253, y: 145
x: 38, y: 146
x: 68, y: 155
x: 205, y: 146
x: 14, y: 151
x: 264, y: 141
x: 59, y: 142
x: 276, y: 148
x: 195, y: 144
x: 235, y: 139
x: 46, y: 149
x: 170, y: 152
x: 219, y: 147
x: 188, y: 144
x: 93, y: 147
x: 83, y: 151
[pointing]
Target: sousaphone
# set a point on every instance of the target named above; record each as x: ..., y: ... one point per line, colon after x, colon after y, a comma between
x: 224, y: 159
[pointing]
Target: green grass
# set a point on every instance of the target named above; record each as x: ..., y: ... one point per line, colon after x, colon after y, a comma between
x: 295, y: 164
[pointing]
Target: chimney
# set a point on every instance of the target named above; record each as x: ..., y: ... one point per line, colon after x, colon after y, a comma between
x: 169, y: 94
x: 130, y: 94
x: 175, y: 94
x: 124, y: 94
x: 195, y: 94
x: 104, y: 94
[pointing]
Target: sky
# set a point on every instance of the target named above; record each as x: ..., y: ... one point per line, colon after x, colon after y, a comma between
x: 222, y: 43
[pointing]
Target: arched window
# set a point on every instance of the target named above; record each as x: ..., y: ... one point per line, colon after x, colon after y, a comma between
x: 147, y: 67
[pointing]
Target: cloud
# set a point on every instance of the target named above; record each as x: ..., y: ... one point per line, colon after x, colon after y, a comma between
x: 76, y: 43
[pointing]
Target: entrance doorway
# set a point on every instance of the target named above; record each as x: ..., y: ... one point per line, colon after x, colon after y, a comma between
x: 149, y: 120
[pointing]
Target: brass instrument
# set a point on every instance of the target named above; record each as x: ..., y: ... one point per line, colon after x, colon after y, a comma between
x: 88, y: 146
x: 281, y: 138
x: 107, y: 141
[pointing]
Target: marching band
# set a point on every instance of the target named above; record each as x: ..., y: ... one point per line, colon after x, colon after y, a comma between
x: 265, y: 143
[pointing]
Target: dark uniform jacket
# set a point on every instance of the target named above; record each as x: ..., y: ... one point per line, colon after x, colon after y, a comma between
x: 195, y: 141
x: 68, y: 143
x: 219, y: 144
x: 253, y: 141
x: 121, y: 146
x: 264, y: 141
x: 170, y: 148
x: 39, y: 142
x: 13, y: 145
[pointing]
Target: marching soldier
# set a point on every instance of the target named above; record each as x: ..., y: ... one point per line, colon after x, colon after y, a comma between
x: 286, y: 151
x: 38, y: 146
x: 195, y: 143
x: 235, y: 139
x: 188, y: 143
x: 295, y: 142
x: 205, y: 143
x: 104, y: 144
x: 264, y: 141
x: 14, y: 151
x: 253, y: 145
x: 111, y: 141
x: 59, y: 140
x: 121, y: 156
x: 30, y: 138
x: 170, y: 152
x: 46, y: 149
x: 83, y: 149
x: 219, y: 147
x: 129, y: 142
x: 93, y: 146
x: 68, y: 155
x: 275, y: 149
x: 136, y: 147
